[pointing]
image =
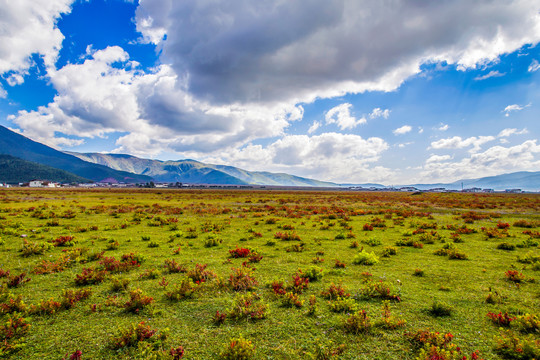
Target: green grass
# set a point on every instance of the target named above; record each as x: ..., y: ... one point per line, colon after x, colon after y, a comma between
x: 205, y: 225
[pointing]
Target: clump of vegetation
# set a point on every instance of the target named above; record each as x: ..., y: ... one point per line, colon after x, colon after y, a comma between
x: 136, y: 333
x: 248, y: 306
x: 30, y: 248
x: 372, y: 241
x: 365, y: 258
x: 514, y: 346
x: 389, y: 321
x: 358, y: 323
x: 185, y: 289
x: 238, y: 349
x: 440, y: 309
x: 345, y: 304
x: 313, y: 274
x: 378, y: 290
x: 335, y: 291
x: 137, y: 301
x: 242, y: 279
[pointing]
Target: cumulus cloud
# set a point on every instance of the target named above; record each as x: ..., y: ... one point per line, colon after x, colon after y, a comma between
x: 329, y: 156
x: 341, y: 115
x: 534, y: 66
x: 457, y: 142
x: 95, y: 98
x: 241, y: 51
x: 493, y: 161
x: 438, y: 158
x: 402, y: 130
x: 508, y: 132
x: 378, y: 112
x: 29, y: 29
x: 490, y: 74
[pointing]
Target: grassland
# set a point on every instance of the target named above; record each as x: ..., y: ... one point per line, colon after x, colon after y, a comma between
x: 52, y: 236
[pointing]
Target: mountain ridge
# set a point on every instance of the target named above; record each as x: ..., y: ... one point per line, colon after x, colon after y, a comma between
x: 131, y: 169
x: 192, y: 171
x: 14, y: 170
x: 14, y: 144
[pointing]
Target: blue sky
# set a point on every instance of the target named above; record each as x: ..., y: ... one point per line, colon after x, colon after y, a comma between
x: 328, y: 89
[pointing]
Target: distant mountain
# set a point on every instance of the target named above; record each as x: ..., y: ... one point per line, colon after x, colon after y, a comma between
x: 524, y: 180
x: 14, y: 170
x: 19, y: 146
x: 191, y: 171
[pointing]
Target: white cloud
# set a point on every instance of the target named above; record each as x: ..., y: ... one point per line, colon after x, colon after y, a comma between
x: 494, y: 161
x: 95, y: 98
x: 491, y: 74
x: 341, y: 115
x: 329, y: 156
x: 3, y: 92
x: 508, y: 132
x: 443, y: 127
x: 28, y: 28
x: 378, y: 112
x: 314, y: 127
x: 420, y: 130
x: 402, y: 145
x: 438, y: 158
x: 457, y: 142
x: 402, y: 130
x: 235, y: 51
x: 514, y: 107
x: 534, y: 66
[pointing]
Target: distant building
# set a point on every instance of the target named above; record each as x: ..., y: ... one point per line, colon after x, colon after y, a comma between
x: 408, y: 188
x: 438, y: 190
x: 473, y: 190
x: 513, y: 191
x: 35, y: 183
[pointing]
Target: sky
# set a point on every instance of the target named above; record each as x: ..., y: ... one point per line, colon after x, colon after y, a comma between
x: 390, y: 92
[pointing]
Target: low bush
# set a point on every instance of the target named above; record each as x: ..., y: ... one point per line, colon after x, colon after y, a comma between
x: 512, y: 346
x: 358, y: 323
x: 365, y: 258
x: 137, y: 301
x: 291, y: 299
x: 242, y: 279
x: 248, y: 306
x: 339, y: 305
x: 314, y: 273
x: 90, y: 276
x: 440, y: 309
x: 238, y: 349
x: 185, y: 289
x: 134, y: 334
x: 500, y: 319
x: 335, y: 291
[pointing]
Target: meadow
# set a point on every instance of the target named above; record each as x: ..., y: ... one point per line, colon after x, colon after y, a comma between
x: 209, y: 274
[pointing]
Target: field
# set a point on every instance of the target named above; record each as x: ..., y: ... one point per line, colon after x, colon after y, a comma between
x: 170, y: 274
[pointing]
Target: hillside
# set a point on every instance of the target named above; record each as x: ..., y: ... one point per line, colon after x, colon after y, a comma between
x: 191, y: 171
x: 524, y: 180
x: 14, y: 170
x: 19, y: 146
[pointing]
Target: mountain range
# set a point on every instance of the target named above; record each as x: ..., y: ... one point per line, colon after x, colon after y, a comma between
x: 36, y: 160
x: 191, y: 171
x: 21, y: 147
